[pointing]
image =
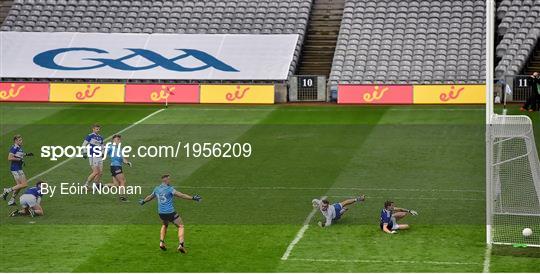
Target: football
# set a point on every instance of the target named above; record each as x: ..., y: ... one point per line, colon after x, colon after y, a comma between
x: 527, y: 232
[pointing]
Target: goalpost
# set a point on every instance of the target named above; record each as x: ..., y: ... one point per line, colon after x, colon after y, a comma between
x: 512, y: 165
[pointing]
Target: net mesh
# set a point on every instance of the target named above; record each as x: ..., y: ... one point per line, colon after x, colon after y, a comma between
x: 515, y: 181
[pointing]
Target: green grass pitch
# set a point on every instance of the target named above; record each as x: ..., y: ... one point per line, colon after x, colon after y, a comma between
x: 428, y: 158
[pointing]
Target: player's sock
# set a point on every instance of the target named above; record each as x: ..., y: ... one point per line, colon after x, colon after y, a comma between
x: 12, y: 202
x: 6, y: 192
x: 181, y: 247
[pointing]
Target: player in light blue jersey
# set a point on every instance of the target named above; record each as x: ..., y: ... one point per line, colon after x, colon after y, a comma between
x: 114, y: 152
x: 15, y: 157
x: 94, y: 143
x: 165, y: 194
x: 390, y: 215
x: 30, y: 202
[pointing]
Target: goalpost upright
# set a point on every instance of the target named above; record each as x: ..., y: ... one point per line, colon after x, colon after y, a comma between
x: 490, y: 51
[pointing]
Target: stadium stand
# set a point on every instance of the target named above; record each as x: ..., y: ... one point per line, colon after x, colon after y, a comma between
x: 163, y: 16
x: 518, y: 31
x: 321, y: 37
x: 353, y: 41
x: 395, y: 41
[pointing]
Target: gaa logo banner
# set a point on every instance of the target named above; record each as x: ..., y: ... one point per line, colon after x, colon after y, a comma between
x: 146, y: 56
x: 96, y: 93
x: 47, y: 60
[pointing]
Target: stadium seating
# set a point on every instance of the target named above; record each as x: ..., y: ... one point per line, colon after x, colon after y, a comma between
x: 162, y: 16
x: 394, y: 41
x: 519, y: 31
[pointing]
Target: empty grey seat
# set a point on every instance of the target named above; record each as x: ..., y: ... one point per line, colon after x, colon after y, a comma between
x: 519, y: 33
x: 411, y: 42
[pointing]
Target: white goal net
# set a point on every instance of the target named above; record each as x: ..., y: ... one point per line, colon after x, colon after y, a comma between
x: 513, y: 181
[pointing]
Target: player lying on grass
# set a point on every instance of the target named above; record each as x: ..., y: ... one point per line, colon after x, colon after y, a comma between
x: 165, y: 195
x: 15, y: 157
x: 115, y: 154
x: 30, y: 202
x: 94, y: 141
x: 391, y: 214
x: 333, y: 212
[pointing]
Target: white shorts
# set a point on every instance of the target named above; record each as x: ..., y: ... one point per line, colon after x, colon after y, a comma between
x: 96, y: 162
x: 18, y: 175
x: 395, y: 225
x: 28, y: 200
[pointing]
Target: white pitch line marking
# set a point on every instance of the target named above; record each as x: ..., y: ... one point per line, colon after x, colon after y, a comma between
x: 437, y: 109
x: 108, y: 138
x: 412, y: 198
x: 487, y: 259
x: 300, y: 233
x: 263, y: 108
x: 61, y: 107
x: 335, y: 188
x: 292, y: 108
x: 383, y: 261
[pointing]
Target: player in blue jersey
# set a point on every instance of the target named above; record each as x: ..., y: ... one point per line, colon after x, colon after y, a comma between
x: 391, y: 214
x: 165, y: 194
x: 30, y: 202
x: 117, y: 160
x: 16, y: 158
x: 333, y: 212
x: 94, y: 143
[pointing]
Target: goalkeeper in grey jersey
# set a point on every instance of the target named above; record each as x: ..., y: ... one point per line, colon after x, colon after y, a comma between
x: 334, y: 212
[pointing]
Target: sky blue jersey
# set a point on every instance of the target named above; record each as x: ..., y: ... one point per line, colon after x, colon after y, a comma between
x: 115, y: 154
x: 164, y: 195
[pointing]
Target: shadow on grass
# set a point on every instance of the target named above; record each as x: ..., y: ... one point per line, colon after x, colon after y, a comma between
x: 532, y: 252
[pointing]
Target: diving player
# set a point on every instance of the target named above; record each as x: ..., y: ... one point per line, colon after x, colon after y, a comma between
x: 30, y: 202
x: 391, y: 214
x: 115, y: 154
x: 334, y: 212
x: 15, y: 156
x: 94, y: 142
x: 165, y: 195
